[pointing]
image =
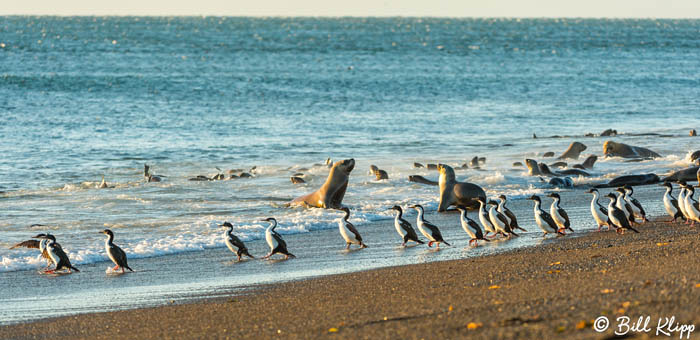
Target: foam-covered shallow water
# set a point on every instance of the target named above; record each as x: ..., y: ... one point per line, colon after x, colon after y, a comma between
x: 82, y: 98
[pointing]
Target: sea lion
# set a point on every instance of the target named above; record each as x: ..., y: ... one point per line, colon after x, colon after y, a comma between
x: 421, y: 180
x: 561, y: 182
x: 297, y: 180
x: 688, y: 175
x: 474, y: 162
x: 573, y: 151
x: 432, y: 166
x: 418, y: 165
x: 517, y: 164
x: 630, y: 180
x: 544, y: 170
x: 548, y: 154
x: 608, y: 133
x: 457, y: 193
x: 464, y: 166
x: 558, y: 165
x: 694, y: 156
x: 331, y: 193
x: 103, y: 184
x: 613, y: 149
x: 575, y: 172
x: 588, y: 163
x: 150, y: 177
x: 378, y: 173
x: 245, y: 175
x: 693, y: 133
x: 532, y: 167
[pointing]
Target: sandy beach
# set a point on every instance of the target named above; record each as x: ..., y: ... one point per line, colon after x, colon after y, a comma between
x: 556, y: 289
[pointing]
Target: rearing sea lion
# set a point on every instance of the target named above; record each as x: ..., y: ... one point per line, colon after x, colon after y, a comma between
x: 612, y: 149
x: 573, y: 151
x: 331, y: 193
x: 457, y: 193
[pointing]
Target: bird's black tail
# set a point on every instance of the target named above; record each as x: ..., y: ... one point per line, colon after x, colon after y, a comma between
x: 76, y: 269
x: 635, y: 230
x: 246, y: 253
x: 129, y: 268
x: 445, y: 242
x: 485, y: 239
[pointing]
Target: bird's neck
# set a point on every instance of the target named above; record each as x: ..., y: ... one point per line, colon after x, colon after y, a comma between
x: 398, y: 214
x: 420, y: 214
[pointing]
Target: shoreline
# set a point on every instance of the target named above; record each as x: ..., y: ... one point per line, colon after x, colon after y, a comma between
x: 551, y: 289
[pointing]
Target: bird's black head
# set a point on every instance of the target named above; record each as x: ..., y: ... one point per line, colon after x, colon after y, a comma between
x: 554, y: 195
x: 346, y: 210
x: 492, y: 202
x: 480, y: 199
x: 681, y: 183
x: 592, y: 190
x: 461, y: 208
x: 534, y: 198
x: 667, y: 184
x: 620, y: 190
x: 269, y: 219
x: 628, y: 188
x: 396, y: 207
x: 611, y: 196
x: 39, y: 235
x: 226, y: 224
x: 107, y: 232
x: 502, y: 197
x: 416, y: 206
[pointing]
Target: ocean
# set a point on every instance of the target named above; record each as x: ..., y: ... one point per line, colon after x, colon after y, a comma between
x: 86, y: 97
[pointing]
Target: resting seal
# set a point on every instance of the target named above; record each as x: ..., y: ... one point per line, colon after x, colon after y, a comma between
x: 561, y: 182
x: 541, y: 169
x: 421, y: 180
x: 573, y: 151
x: 331, y: 193
x: 548, y: 154
x: 687, y: 175
x: 612, y: 149
x: 630, y: 180
x: 457, y: 193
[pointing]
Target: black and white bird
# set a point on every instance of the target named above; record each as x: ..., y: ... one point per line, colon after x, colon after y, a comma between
x: 634, y: 203
x: 484, y: 218
x: 274, y: 240
x: 671, y: 203
x: 470, y: 227
x: 559, y: 214
x: 617, y: 216
x: 148, y: 176
x: 499, y: 221
x: 681, y: 200
x: 624, y: 206
x: 58, y: 256
x: 512, y: 220
x: 543, y: 219
x: 429, y: 230
x: 599, y: 212
x: 37, y: 244
x: 348, y: 230
x: 116, y: 254
x: 404, y: 228
x: 691, y: 206
x: 233, y: 243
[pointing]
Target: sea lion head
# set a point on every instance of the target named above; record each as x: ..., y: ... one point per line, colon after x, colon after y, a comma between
x: 611, y: 149
x: 532, y: 167
x: 446, y: 172
x: 345, y: 165
x: 578, y: 147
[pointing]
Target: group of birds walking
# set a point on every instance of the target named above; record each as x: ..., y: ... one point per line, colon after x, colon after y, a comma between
x: 622, y: 213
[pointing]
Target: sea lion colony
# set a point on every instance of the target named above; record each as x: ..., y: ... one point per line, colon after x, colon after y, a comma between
x: 623, y: 212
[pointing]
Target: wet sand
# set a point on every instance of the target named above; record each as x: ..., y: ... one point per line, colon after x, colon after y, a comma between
x: 555, y: 289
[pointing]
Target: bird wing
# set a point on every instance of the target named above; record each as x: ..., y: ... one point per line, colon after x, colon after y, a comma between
x: 280, y: 242
x: 352, y: 229
x: 629, y: 210
x: 603, y: 209
x: 548, y: 219
x: 62, y: 256
x: 513, y: 220
x: 477, y: 230
x: 236, y: 241
x: 674, y: 202
x: 620, y: 216
x: 639, y: 206
x: 406, y: 226
x: 563, y: 214
x: 119, y: 255
x: 433, y: 230
x: 502, y: 219
x: 27, y: 244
